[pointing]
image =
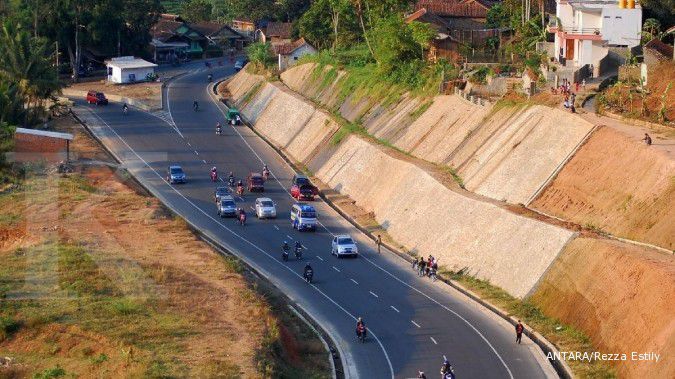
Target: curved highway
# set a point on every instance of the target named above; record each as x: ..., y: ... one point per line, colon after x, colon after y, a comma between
x: 413, y: 322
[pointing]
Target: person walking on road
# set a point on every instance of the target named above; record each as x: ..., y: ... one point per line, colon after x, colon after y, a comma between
x: 647, y: 139
x: 422, y: 267
x: 378, y: 241
x: 519, y: 331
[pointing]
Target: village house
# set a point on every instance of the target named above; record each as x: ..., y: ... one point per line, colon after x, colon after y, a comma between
x: 444, y: 45
x: 288, y: 53
x: 465, y: 19
x: 124, y: 70
x: 244, y: 27
x: 221, y: 35
x: 277, y: 32
x: 585, y: 31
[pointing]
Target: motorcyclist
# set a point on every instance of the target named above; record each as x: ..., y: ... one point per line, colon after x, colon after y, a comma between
x: 308, y: 273
x: 242, y: 216
x: 219, y: 128
x: 446, y: 370
x: 210, y: 77
x: 265, y: 171
x: 361, y: 328
x: 195, y: 105
x: 240, y: 187
x: 284, y: 251
x: 125, y: 108
x: 421, y: 375
x: 214, y: 173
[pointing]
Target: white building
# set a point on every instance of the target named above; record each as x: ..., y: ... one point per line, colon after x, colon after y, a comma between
x: 584, y: 30
x: 129, y: 70
x: 288, y: 53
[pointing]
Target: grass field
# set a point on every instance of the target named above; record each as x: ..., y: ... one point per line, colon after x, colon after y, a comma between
x: 172, y: 6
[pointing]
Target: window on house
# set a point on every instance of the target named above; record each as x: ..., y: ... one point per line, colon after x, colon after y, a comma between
x: 110, y: 71
x: 295, y: 58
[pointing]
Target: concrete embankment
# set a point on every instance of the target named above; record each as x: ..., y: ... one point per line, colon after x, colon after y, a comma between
x: 506, y: 154
x: 417, y: 210
x: 618, y: 294
x: 621, y: 296
x: 617, y: 184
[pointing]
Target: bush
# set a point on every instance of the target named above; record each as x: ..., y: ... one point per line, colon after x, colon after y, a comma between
x: 8, y: 326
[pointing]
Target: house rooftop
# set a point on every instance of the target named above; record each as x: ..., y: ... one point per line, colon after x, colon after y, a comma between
x: 45, y: 133
x: 279, y: 29
x: 129, y: 62
x: 660, y: 47
x: 287, y: 48
x: 457, y: 8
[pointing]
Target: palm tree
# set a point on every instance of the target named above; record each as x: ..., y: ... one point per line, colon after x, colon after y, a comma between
x: 25, y: 63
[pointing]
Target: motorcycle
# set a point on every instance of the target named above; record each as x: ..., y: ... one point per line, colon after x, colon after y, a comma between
x: 240, y: 190
x: 266, y: 174
x: 219, y: 130
x: 308, y: 276
x: 298, y: 253
x: 284, y: 255
x: 242, y: 219
x: 231, y: 181
x: 195, y: 106
x: 214, y: 176
x: 210, y: 78
x: 361, y: 334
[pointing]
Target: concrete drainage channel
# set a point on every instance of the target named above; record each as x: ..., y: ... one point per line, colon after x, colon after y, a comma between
x: 560, y: 366
x: 251, y: 274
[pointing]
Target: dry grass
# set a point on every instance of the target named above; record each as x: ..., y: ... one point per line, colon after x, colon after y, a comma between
x: 106, y: 282
x: 149, y: 93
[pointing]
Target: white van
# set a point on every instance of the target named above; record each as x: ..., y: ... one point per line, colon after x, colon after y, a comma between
x: 303, y: 217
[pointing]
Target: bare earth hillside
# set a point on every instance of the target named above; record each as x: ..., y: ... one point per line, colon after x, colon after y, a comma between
x: 617, y: 184
x: 621, y: 296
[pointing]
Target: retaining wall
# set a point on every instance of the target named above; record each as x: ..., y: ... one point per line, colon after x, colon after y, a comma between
x: 488, y: 241
x: 492, y: 149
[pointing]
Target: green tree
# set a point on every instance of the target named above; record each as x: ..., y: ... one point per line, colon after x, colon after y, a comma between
x: 422, y: 34
x: 259, y: 53
x: 662, y: 10
x: 651, y: 29
x: 24, y: 61
x: 197, y: 10
x: 316, y: 24
x: 6, y: 140
x: 392, y: 42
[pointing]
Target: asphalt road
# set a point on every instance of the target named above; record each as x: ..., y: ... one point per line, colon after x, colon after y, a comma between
x: 413, y: 322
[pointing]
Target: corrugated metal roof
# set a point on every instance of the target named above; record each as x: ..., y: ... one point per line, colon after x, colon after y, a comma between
x: 45, y: 133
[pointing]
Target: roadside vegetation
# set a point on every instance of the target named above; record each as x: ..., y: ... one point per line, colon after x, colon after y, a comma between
x: 99, y: 279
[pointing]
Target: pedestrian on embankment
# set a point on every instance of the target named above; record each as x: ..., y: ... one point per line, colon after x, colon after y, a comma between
x: 519, y: 331
x: 647, y: 139
x: 378, y: 241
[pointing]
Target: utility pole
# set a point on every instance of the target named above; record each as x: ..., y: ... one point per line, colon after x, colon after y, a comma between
x: 119, y: 46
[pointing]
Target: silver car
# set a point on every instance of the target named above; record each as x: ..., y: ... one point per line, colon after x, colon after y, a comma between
x: 265, y: 208
x: 344, y: 245
x: 226, y: 206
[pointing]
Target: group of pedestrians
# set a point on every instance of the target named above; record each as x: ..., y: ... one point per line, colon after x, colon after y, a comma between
x: 427, y: 267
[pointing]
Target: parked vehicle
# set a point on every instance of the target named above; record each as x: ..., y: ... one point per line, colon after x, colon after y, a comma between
x: 302, y: 188
x: 220, y: 192
x: 303, y: 217
x: 240, y: 64
x: 175, y: 174
x: 226, y: 206
x: 98, y: 98
x: 255, y: 182
x: 265, y: 208
x: 344, y: 245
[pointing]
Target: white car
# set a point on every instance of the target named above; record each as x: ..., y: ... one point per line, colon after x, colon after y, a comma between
x: 265, y: 208
x: 344, y: 245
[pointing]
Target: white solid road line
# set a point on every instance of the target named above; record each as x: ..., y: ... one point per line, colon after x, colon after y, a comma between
x: 319, y: 258
x: 373, y: 293
x: 433, y: 340
x: 416, y: 324
x: 240, y: 237
x: 394, y: 308
x: 354, y: 281
x: 336, y: 269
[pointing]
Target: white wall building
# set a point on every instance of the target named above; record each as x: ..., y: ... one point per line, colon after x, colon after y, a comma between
x: 288, y: 53
x: 586, y: 29
x: 129, y: 70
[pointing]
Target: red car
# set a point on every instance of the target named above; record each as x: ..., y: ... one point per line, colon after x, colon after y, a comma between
x: 302, y: 188
x: 98, y: 98
x: 255, y: 182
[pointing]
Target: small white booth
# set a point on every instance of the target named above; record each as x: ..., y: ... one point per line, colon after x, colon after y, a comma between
x: 129, y: 70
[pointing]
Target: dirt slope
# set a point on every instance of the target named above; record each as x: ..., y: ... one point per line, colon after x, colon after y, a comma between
x: 622, y: 296
x: 619, y: 185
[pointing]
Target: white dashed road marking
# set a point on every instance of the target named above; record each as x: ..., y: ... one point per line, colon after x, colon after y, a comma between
x: 416, y: 324
x: 354, y: 281
x: 373, y: 293
x: 394, y: 308
x: 289, y: 236
x: 319, y: 258
x: 276, y: 227
x: 336, y: 269
x: 433, y: 340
